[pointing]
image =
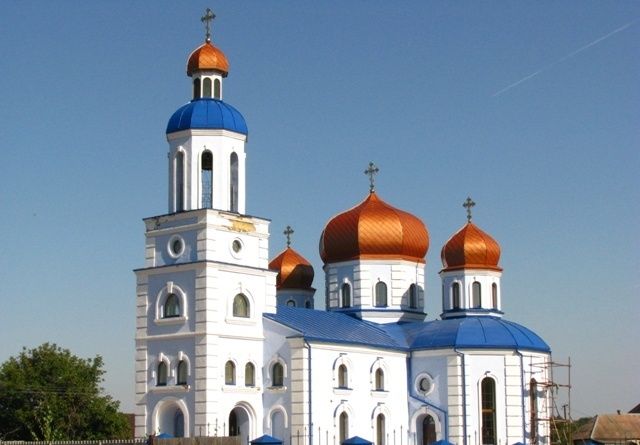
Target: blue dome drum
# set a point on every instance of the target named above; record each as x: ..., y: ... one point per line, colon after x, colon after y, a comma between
x: 207, y: 113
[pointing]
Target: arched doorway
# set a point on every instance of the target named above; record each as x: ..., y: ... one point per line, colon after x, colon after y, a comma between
x: 277, y: 425
x: 426, y: 430
x: 170, y: 420
x: 239, y: 423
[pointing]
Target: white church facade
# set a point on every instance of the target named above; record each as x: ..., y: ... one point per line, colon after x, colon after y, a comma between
x: 230, y: 343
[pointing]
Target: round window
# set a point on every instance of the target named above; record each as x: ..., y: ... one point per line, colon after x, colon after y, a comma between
x: 236, y: 245
x: 176, y: 246
x: 424, y: 384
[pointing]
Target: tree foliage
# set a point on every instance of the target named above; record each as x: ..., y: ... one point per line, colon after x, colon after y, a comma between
x: 47, y: 393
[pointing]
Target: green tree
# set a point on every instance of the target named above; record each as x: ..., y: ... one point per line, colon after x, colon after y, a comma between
x: 47, y: 393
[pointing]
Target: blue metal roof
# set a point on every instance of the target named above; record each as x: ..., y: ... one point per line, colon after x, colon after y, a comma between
x: 207, y: 113
x: 482, y: 332
x: 333, y: 327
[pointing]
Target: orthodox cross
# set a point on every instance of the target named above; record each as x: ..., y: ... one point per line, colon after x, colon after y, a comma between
x: 288, y: 232
x: 468, y: 204
x: 371, y: 172
x: 207, y: 18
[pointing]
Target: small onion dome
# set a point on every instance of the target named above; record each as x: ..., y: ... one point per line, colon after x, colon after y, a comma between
x: 374, y: 230
x: 207, y: 57
x: 294, y: 272
x: 470, y: 248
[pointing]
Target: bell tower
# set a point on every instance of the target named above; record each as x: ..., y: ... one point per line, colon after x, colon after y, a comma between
x: 206, y: 280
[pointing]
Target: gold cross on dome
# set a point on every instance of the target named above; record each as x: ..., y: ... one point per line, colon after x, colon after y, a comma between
x: 468, y: 204
x: 207, y: 18
x: 371, y: 172
x: 288, y: 232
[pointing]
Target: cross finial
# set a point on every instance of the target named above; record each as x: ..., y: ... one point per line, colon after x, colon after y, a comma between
x: 468, y: 204
x: 207, y: 18
x: 288, y: 232
x: 371, y: 172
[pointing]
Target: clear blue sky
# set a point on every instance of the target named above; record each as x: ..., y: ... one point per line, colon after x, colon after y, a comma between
x: 532, y: 108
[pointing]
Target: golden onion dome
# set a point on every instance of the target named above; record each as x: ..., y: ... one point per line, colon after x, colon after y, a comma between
x: 207, y: 57
x: 374, y: 230
x: 294, y: 272
x: 470, y: 248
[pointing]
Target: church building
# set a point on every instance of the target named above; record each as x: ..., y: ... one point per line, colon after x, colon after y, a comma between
x: 229, y: 342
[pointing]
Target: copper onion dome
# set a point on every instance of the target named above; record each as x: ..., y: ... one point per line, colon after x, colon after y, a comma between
x: 207, y: 57
x: 374, y: 230
x: 470, y: 248
x: 294, y: 272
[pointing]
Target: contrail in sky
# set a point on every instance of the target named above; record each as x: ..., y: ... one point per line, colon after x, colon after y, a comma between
x: 568, y: 56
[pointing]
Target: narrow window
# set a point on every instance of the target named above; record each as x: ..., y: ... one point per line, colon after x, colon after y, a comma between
x: 413, y: 296
x: 207, y: 179
x: 277, y: 374
x: 196, y: 88
x: 346, y: 295
x: 233, y: 179
x: 343, y: 377
x: 162, y: 374
x: 178, y: 423
x: 494, y: 295
x: 533, y: 409
x: 488, y: 398
x: 475, y: 292
x: 428, y: 430
x: 308, y: 304
x: 240, y: 306
x: 206, y: 87
x: 249, y: 375
x: 380, y: 430
x: 344, y: 426
x: 216, y: 88
x: 179, y: 182
x: 171, y: 306
x: 230, y: 373
x: 455, y: 295
x: 379, y: 379
x: 182, y: 373
x: 381, y: 294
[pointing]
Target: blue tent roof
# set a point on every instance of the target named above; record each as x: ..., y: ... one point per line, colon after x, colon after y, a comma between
x: 482, y: 332
x: 207, y: 113
x: 266, y: 439
x: 357, y: 440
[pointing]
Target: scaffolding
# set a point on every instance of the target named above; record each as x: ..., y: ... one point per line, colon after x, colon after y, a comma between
x: 557, y: 388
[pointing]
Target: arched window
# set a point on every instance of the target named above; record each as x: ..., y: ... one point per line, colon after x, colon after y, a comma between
x: 241, y: 306
x: 207, y: 179
x: 308, y: 304
x: 380, y: 430
x: 381, y: 294
x: 494, y: 295
x: 183, y: 370
x: 291, y: 303
x: 171, y: 306
x: 533, y: 410
x: 162, y: 374
x: 379, y: 379
x: 196, y: 88
x: 413, y: 296
x: 216, y: 88
x: 343, y: 377
x: 249, y: 374
x: 455, y: 295
x: 344, y: 427
x: 477, y: 297
x: 206, y: 87
x: 428, y: 430
x: 277, y: 374
x: 488, y: 399
x: 230, y: 373
x: 179, y: 182
x: 233, y: 182
x: 346, y: 295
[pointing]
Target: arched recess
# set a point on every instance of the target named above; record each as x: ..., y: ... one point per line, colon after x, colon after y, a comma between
x: 233, y: 182
x: 179, y: 168
x: 169, y: 289
x: 425, y: 426
x: 278, y: 422
x: 242, y: 422
x: 171, y: 416
x: 206, y: 179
